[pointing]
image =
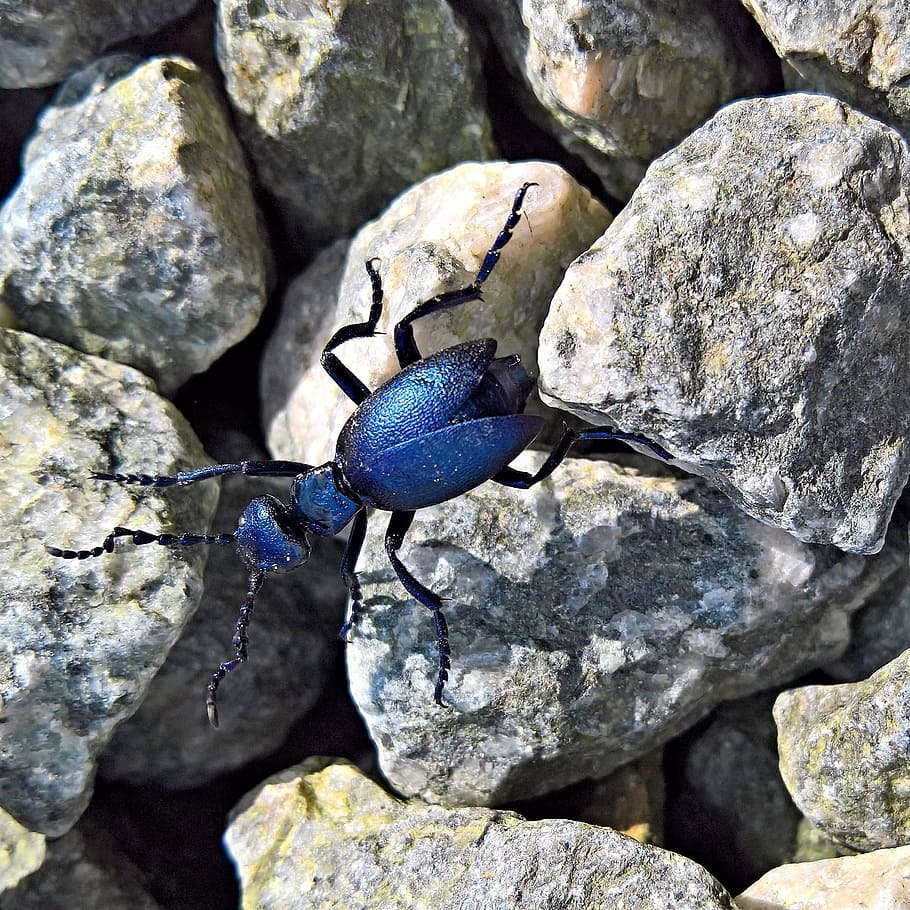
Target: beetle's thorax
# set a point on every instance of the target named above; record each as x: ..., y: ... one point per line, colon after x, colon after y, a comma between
x: 318, y: 500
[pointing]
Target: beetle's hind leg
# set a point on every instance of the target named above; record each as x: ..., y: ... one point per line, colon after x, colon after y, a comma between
x: 511, y: 477
x: 405, y: 346
x: 398, y: 527
x: 353, y: 387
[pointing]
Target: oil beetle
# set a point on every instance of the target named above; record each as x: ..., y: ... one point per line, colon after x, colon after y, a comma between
x: 440, y: 427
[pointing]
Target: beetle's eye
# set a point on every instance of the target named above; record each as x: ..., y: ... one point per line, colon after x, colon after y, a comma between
x: 269, y: 539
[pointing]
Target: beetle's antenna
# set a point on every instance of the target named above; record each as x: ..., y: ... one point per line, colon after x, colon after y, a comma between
x: 239, y: 641
x: 140, y: 537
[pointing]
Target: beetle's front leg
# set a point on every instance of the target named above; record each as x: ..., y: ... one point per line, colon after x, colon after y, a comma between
x: 348, y: 573
x: 394, y: 535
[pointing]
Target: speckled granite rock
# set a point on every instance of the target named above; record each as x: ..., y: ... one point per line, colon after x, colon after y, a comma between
x: 856, y: 50
x: 879, y: 881
x: 42, y: 41
x: 342, y: 104
x: 620, y: 81
x: 82, y: 640
x: 591, y: 619
x: 431, y: 239
x: 845, y: 758
x: 133, y: 233
x: 329, y: 837
x: 169, y: 740
x: 750, y: 309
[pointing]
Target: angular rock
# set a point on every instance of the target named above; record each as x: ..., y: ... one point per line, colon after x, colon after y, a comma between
x: 42, y: 41
x: 21, y: 853
x: 750, y: 309
x: 844, y: 756
x: 328, y: 837
x: 82, y: 640
x: 620, y: 81
x: 133, y: 233
x: 84, y: 868
x: 292, y: 638
x: 344, y: 104
x: 591, y: 619
x: 431, y: 239
x: 876, y: 880
x: 856, y: 51
x: 733, y: 794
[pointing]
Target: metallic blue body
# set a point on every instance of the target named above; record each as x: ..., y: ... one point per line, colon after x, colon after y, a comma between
x: 437, y: 429
x: 440, y: 427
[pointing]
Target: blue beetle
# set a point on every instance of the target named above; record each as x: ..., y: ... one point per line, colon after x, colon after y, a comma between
x: 440, y: 427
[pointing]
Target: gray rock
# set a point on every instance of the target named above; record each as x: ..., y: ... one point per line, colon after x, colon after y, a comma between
x: 84, y: 868
x: 591, y: 619
x: 620, y: 81
x: 844, y: 756
x: 82, y: 640
x: 858, y: 51
x: 731, y: 775
x: 344, y: 104
x: 750, y: 309
x: 133, y: 233
x: 328, y: 837
x: 431, y: 239
x: 876, y: 880
x: 42, y: 41
x: 294, y: 630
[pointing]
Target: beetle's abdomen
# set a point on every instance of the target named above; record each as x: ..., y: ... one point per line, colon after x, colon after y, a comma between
x: 440, y: 427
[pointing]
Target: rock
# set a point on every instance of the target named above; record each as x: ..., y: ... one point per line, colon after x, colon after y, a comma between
x: 620, y: 81
x: 855, y: 51
x: 843, y: 756
x: 591, y: 619
x: 293, y: 635
x: 21, y: 853
x: 344, y: 104
x: 431, y: 239
x: 84, y: 868
x: 732, y: 794
x: 133, y: 233
x: 328, y: 837
x: 749, y: 309
x: 42, y: 41
x: 82, y: 640
x: 879, y: 880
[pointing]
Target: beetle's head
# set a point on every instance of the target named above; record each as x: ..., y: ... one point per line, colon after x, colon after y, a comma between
x: 318, y: 503
x: 269, y: 538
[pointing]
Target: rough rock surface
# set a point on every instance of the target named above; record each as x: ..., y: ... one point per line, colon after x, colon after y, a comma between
x: 328, y: 837
x: 21, y: 852
x: 856, y: 50
x: 133, y: 233
x: 342, y: 104
x: 845, y: 756
x: 82, y: 640
x: 42, y: 41
x: 431, y: 239
x: 591, y: 619
x: 750, y: 309
x: 620, y: 81
x: 169, y: 740
x: 879, y: 881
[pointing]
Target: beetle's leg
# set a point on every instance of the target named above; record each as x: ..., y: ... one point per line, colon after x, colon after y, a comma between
x: 182, y: 478
x: 405, y: 346
x: 511, y: 477
x: 348, y: 565
x: 353, y: 387
x: 239, y: 641
x: 398, y: 527
x: 139, y: 538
